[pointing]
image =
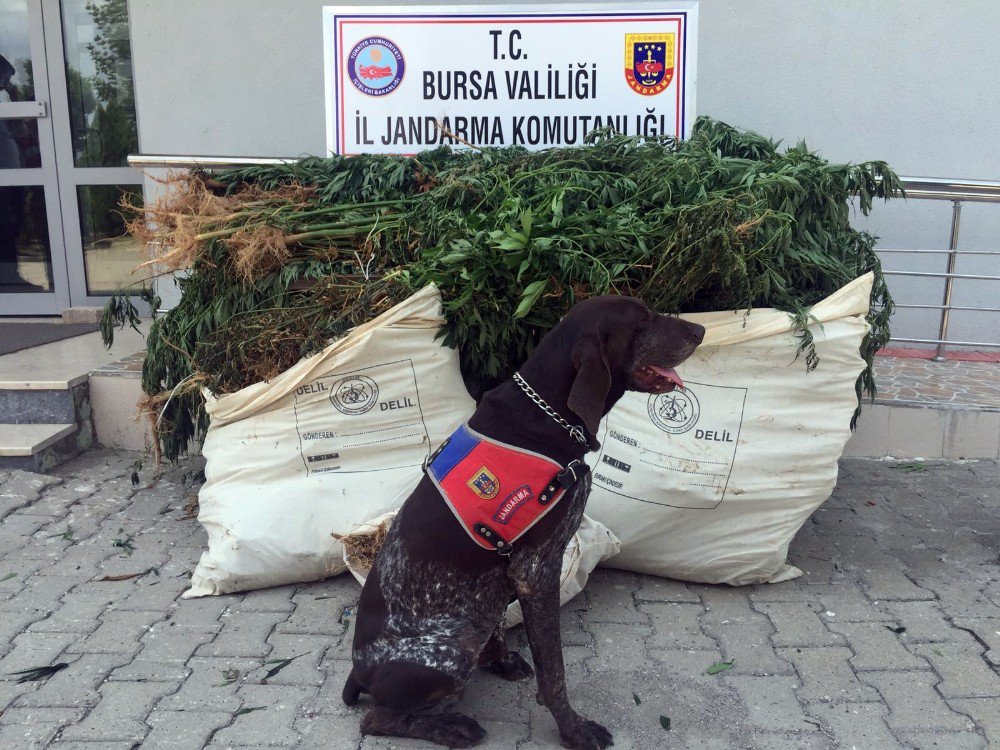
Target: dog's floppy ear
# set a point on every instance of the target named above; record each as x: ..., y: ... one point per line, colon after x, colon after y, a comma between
x: 592, y: 383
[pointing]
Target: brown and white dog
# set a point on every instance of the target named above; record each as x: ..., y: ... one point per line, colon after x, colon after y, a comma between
x: 431, y: 609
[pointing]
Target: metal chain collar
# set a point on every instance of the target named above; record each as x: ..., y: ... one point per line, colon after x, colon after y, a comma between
x: 575, y: 430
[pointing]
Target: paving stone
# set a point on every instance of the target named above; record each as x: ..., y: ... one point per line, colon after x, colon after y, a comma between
x: 491, y: 698
x: 613, y: 600
x: 826, y: 675
x: 985, y: 712
x: 118, y: 633
x: 183, y: 730
x: 14, y: 573
x: 273, y: 724
x: 849, y: 605
x: 656, y: 589
x: 33, y: 728
x: 572, y: 631
x: 243, y: 635
x: 914, y: 704
x: 274, y: 599
x: 678, y: 626
x: 944, y: 740
x: 986, y: 629
x: 76, y: 685
x: 890, y: 584
x: 924, y: 622
x: 121, y: 712
x: 796, y: 624
x: 328, y: 732
x: 860, y: 725
x: 741, y: 633
x: 876, y: 647
x: 307, y: 652
x: 152, y: 593
x: 40, y: 597
x: 964, y: 673
x: 73, y: 745
x: 771, y: 702
x: 34, y: 650
x: 201, y: 615
x: 319, y: 616
x: 145, y: 670
x: 78, y: 612
x: 622, y: 648
x: 165, y: 643
x: 205, y: 688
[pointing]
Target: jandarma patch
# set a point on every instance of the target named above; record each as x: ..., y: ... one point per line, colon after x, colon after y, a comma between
x: 485, y: 484
x: 513, y: 501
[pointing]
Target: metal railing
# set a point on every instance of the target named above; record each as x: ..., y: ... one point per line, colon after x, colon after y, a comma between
x: 958, y: 192
x: 924, y: 188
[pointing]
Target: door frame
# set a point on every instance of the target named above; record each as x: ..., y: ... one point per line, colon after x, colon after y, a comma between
x: 46, y: 176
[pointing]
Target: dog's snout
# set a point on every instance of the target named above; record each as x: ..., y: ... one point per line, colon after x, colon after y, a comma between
x: 695, y: 333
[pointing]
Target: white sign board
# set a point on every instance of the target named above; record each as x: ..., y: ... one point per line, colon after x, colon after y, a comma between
x: 403, y: 79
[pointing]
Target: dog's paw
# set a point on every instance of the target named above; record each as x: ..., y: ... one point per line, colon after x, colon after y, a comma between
x: 511, y: 667
x: 457, y: 730
x: 587, y: 735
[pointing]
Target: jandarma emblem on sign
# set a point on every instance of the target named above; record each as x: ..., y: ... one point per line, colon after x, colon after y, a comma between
x: 649, y: 62
x: 485, y: 484
x: 376, y: 66
x: 674, y: 412
x: 354, y: 395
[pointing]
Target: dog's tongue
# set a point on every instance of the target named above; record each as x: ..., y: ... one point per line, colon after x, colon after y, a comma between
x: 670, y: 374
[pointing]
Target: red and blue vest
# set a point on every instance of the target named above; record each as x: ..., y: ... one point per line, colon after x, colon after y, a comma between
x: 497, y: 491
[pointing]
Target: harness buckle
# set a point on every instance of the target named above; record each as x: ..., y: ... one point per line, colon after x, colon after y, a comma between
x: 572, y: 473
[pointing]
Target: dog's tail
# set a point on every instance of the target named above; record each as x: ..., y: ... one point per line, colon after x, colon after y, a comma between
x: 352, y: 689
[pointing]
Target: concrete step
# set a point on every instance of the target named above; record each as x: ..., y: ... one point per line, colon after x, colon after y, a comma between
x: 37, y: 447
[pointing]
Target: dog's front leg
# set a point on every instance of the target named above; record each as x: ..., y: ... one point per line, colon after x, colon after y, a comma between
x: 538, y: 591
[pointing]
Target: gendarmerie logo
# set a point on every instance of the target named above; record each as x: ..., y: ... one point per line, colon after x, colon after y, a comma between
x: 485, y: 484
x: 512, y: 502
x: 674, y: 412
x: 376, y: 66
x: 354, y: 394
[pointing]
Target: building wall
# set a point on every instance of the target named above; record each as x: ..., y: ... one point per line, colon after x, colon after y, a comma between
x: 912, y: 82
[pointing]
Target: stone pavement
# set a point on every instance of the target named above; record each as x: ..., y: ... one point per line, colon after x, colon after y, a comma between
x: 891, y: 640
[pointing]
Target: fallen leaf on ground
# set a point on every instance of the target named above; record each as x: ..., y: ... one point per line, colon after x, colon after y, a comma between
x: 230, y: 676
x: 721, y: 666
x: 911, y: 467
x: 897, y: 630
x: 39, y: 673
x: 635, y: 697
x: 8, y: 577
x: 280, y: 664
x: 665, y: 722
x: 249, y: 709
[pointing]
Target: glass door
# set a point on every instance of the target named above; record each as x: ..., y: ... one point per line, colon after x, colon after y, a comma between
x: 95, y: 127
x: 33, y: 273
x: 67, y: 126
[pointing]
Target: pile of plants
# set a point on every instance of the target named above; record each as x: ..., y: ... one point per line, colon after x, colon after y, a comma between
x: 280, y: 259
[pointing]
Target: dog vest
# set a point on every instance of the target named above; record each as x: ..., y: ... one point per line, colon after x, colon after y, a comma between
x: 497, y: 491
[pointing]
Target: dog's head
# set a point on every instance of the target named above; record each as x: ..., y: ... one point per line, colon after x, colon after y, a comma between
x: 619, y: 344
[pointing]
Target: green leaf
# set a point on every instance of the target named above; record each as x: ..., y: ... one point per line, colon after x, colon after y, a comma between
x: 280, y: 664
x: 249, y: 709
x: 8, y: 577
x: 635, y: 697
x: 665, y: 722
x: 721, y: 666
x: 911, y: 467
x: 531, y: 294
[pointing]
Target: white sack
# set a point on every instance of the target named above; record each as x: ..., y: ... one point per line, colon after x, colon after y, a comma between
x: 337, y: 439
x: 711, y: 483
x: 592, y: 543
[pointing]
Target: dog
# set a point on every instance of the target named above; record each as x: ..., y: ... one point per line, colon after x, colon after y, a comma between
x: 431, y: 610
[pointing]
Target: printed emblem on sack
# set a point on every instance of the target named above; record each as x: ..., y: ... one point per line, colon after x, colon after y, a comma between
x: 674, y: 412
x: 649, y: 62
x: 375, y: 66
x: 514, y: 500
x: 354, y: 395
x: 485, y: 484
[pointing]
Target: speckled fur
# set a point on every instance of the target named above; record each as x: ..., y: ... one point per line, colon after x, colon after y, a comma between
x: 430, y: 610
